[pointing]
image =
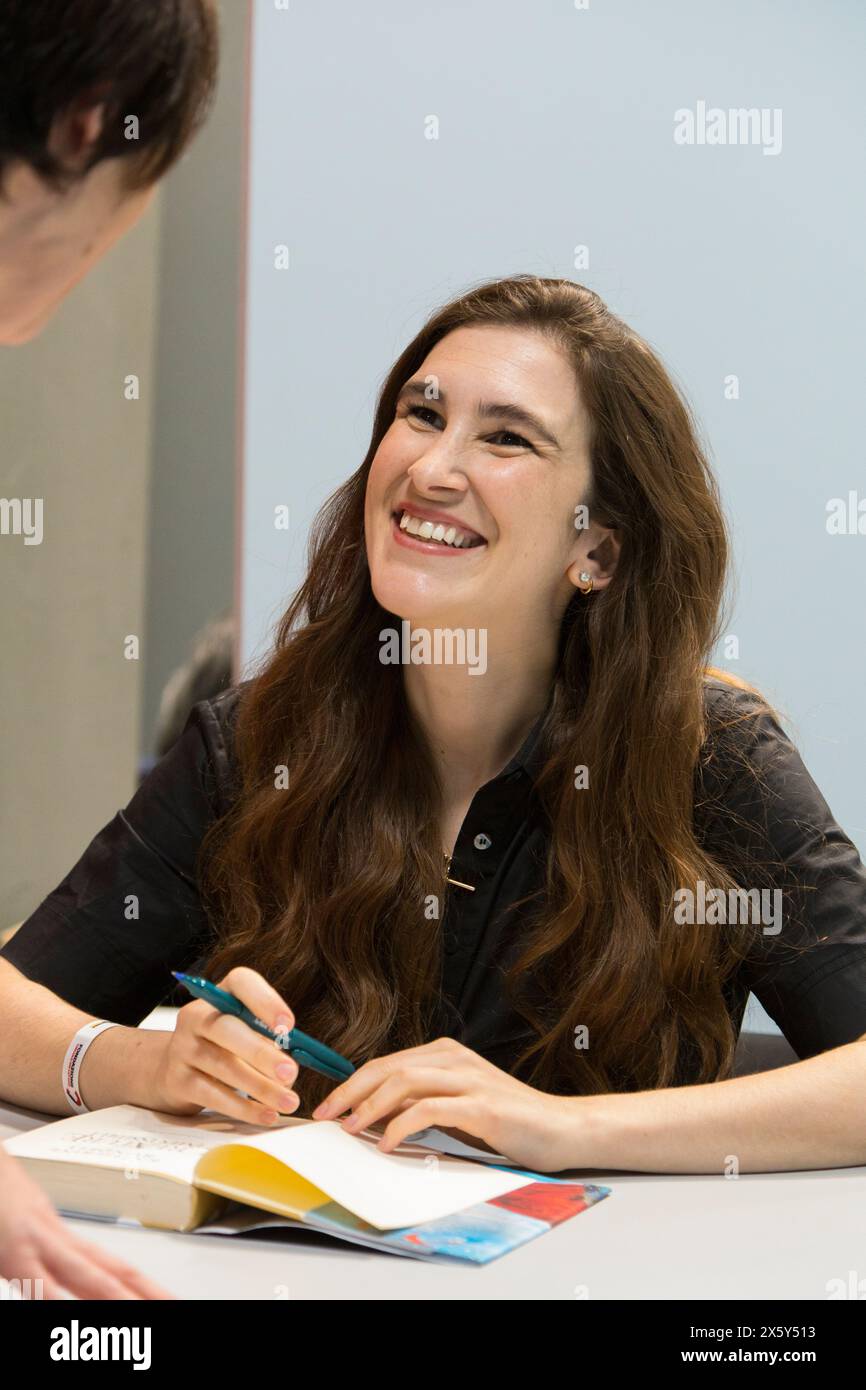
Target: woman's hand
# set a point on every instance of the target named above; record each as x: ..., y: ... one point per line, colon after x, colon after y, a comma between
x: 210, y: 1056
x: 35, y: 1244
x: 445, y: 1084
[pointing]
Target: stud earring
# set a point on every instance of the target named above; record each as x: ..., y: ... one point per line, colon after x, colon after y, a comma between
x: 584, y: 575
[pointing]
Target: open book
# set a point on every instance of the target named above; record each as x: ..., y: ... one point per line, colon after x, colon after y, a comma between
x: 187, y: 1173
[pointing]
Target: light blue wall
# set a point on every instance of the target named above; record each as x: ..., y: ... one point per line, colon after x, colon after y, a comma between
x: 556, y: 129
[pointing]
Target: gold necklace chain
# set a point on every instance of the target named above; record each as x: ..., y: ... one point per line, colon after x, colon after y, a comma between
x: 457, y: 884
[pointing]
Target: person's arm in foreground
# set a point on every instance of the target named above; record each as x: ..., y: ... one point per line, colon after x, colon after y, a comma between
x: 806, y: 1115
x: 35, y: 1244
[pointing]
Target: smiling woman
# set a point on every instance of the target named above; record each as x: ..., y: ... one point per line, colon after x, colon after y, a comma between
x: 292, y: 841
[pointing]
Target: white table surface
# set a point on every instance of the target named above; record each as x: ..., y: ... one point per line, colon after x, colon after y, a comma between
x: 758, y: 1236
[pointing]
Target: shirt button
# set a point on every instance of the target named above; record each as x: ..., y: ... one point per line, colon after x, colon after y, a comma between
x: 482, y: 841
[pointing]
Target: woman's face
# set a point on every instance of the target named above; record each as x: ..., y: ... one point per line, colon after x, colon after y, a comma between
x: 510, y: 484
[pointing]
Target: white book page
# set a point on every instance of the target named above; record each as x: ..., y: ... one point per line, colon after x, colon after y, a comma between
x: 403, y: 1188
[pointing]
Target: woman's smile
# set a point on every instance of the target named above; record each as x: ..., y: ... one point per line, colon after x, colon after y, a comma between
x: 433, y: 534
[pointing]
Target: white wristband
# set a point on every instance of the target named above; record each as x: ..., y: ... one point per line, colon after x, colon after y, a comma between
x: 73, y: 1059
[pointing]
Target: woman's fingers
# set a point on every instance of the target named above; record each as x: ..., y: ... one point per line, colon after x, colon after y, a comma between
x: 444, y: 1053
x: 241, y: 1041
x: 221, y: 1065
x: 404, y: 1085
x: 214, y: 1095
x: 234, y: 1056
x: 260, y: 998
x: 443, y: 1112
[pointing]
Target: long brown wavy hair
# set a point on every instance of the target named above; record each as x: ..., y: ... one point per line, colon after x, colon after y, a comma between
x: 321, y: 885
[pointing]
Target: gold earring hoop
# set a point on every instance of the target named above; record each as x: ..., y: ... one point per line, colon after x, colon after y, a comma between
x: 584, y: 575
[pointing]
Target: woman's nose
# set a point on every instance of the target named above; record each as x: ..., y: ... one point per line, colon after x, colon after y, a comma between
x: 439, y: 464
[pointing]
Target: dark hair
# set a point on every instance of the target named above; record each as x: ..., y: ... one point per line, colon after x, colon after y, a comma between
x: 153, y: 59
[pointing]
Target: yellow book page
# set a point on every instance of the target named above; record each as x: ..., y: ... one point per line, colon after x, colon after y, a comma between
x: 258, y: 1179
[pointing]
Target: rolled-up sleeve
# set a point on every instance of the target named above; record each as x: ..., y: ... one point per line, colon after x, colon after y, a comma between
x: 129, y: 912
x: 810, y: 975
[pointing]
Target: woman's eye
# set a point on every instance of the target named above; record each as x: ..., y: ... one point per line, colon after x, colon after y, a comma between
x: 510, y: 439
x: 420, y: 410
x: 517, y: 440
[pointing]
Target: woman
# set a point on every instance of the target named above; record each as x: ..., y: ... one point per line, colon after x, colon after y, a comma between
x: 474, y: 874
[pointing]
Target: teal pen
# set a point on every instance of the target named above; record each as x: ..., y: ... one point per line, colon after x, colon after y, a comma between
x: 304, y: 1050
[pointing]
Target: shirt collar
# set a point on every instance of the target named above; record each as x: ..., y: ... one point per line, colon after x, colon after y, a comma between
x: 529, y: 757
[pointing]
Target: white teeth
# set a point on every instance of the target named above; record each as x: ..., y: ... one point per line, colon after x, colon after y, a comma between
x: 435, y: 531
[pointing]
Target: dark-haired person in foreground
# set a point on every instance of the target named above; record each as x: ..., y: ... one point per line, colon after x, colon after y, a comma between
x: 527, y: 890
x: 98, y: 99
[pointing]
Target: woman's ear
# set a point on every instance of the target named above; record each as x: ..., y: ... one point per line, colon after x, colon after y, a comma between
x: 598, y: 557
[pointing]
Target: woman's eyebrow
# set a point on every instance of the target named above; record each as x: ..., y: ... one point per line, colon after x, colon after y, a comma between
x: 488, y: 410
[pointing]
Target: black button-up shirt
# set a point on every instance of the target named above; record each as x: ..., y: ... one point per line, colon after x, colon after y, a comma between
x: 129, y: 912
x: 500, y: 853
